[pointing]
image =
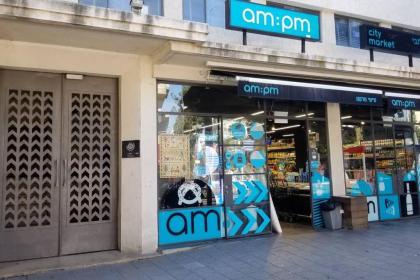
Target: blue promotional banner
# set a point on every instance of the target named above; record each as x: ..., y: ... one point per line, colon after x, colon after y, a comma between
x: 273, y: 20
x: 190, y: 224
x: 385, y: 184
x: 321, y: 188
x: 389, y: 207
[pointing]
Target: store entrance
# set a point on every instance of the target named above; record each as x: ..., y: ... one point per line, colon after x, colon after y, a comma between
x: 297, y: 159
x: 287, y: 153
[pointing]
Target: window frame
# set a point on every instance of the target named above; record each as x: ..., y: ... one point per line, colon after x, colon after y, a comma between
x: 348, y: 20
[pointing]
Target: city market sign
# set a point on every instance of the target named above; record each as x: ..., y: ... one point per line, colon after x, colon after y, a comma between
x: 247, y: 16
x: 388, y: 40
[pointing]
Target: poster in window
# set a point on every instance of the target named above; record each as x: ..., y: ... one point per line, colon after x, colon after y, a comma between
x: 174, y: 156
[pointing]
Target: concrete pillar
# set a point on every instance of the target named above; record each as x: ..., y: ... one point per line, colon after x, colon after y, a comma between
x: 327, y: 27
x: 130, y: 196
x: 335, y: 150
x: 148, y: 183
x: 173, y: 9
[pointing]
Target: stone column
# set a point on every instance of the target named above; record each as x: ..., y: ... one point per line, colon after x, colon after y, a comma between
x: 335, y: 149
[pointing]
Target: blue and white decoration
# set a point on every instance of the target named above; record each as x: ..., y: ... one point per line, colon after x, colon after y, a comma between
x: 250, y: 192
x: 389, y: 207
x: 361, y: 187
x: 239, y: 159
x: 238, y: 131
x: 256, y: 131
x: 245, y: 221
x: 385, y: 185
x: 320, y: 185
x: 257, y: 159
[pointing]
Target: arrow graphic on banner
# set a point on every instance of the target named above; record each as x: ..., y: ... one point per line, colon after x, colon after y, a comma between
x: 251, y: 220
x: 263, y: 189
x: 242, y: 191
x: 266, y: 220
x: 236, y: 223
x: 253, y: 192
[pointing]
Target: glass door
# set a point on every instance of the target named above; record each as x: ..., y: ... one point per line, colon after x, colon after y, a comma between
x: 386, y: 180
x: 405, y: 171
x: 247, y: 207
x: 319, y: 168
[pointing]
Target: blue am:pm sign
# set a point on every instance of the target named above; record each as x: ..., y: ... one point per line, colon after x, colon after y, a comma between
x: 244, y: 15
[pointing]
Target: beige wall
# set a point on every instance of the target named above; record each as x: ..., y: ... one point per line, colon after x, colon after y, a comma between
x: 138, y: 200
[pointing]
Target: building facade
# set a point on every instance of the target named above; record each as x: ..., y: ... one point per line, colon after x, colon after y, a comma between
x: 134, y: 131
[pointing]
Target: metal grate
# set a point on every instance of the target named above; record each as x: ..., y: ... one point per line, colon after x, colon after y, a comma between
x: 90, y: 158
x: 27, y: 199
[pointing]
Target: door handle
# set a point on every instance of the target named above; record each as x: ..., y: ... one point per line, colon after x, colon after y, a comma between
x: 64, y: 173
x: 55, y: 173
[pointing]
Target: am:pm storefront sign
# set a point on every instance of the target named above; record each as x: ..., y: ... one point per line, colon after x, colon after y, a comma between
x: 287, y: 90
x: 272, y: 20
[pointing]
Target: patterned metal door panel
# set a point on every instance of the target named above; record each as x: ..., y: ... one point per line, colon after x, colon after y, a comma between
x: 29, y: 132
x: 89, y: 165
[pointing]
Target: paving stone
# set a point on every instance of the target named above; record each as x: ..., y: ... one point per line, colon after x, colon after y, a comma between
x: 388, y: 250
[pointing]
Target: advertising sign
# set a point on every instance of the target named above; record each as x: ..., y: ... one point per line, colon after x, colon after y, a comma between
x: 388, y: 40
x: 372, y: 205
x: 286, y: 92
x: 191, y: 224
x: 389, y: 207
x: 244, y: 15
x: 174, y: 156
x: 403, y: 101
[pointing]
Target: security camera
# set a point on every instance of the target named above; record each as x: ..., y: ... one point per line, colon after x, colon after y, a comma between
x: 136, y: 6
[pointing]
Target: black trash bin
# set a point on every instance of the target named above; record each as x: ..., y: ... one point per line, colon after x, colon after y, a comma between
x: 331, y: 212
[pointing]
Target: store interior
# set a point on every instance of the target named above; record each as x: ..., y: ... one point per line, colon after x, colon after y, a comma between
x: 287, y: 160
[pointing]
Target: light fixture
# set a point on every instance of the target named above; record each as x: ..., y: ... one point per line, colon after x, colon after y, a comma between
x: 288, y: 135
x: 362, y: 123
x: 346, y: 117
x: 257, y: 113
x: 189, y: 130
x: 288, y: 127
x: 237, y: 119
x: 304, y: 115
x: 210, y: 125
x: 269, y: 132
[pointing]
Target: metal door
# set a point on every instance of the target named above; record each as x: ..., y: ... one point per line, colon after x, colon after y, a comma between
x: 29, y: 152
x: 89, y: 178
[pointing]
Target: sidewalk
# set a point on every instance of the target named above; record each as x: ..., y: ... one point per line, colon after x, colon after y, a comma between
x: 388, y: 250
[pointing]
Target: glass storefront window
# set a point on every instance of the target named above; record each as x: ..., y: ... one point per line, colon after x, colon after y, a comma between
x: 359, y: 164
x: 401, y: 116
x: 287, y: 109
x: 212, y: 168
x: 189, y: 161
x: 316, y: 110
x: 352, y: 112
x: 209, y: 99
x: 416, y: 116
